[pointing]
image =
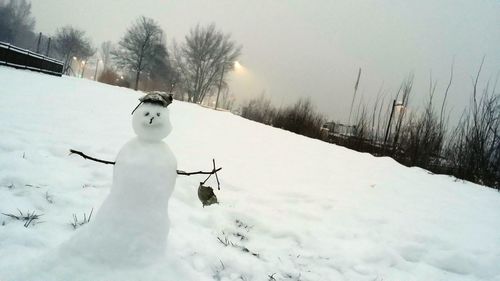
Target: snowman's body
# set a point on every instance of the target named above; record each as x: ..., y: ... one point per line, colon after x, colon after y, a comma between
x: 132, y: 224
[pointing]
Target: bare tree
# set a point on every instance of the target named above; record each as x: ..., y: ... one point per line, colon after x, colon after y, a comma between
x: 474, y: 151
x: 354, y: 95
x: 423, y: 136
x: 406, y: 88
x: 105, y: 53
x: 71, y: 42
x: 141, y: 49
x: 227, y: 99
x: 203, y: 59
x: 16, y: 23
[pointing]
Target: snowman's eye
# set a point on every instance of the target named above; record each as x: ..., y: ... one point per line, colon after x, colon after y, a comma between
x: 147, y: 114
x: 158, y: 114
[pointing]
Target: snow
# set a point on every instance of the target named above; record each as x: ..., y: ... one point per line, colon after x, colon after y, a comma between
x: 290, y: 207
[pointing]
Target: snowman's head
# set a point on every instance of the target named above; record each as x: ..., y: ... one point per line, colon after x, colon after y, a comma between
x: 151, y: 121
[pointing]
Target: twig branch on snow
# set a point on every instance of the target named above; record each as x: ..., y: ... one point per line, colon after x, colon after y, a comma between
x: 28, y: 218
x: 49, y: 198
x: 75, y: 223
x: 226, y: 242
x: 271, y: 277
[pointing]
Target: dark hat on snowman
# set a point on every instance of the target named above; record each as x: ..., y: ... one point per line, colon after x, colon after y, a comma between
x: 155, y: 97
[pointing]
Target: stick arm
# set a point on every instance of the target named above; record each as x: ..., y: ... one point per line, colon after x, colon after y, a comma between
x: 72, y: 151
x: 179, y: 172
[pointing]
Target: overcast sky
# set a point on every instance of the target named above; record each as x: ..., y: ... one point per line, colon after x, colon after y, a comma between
x: 295, y: 49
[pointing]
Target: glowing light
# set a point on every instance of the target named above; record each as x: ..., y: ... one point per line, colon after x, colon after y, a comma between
x: 239, y: 68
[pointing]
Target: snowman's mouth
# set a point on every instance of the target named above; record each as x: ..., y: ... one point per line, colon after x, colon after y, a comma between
x: 150, y: 125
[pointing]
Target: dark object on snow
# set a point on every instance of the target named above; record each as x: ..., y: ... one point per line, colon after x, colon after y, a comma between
x: 156, y: 97
x: 206, y: 195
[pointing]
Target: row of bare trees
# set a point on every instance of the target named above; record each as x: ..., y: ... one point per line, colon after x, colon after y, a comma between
x: 195, y: 70
x: 474, y: 146
x: 469, y: 150
x: 196, y: 67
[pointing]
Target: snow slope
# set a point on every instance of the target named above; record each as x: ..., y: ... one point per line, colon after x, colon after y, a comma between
x: 292, y: 208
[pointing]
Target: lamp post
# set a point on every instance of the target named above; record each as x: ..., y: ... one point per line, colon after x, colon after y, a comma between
x: 394, y: 105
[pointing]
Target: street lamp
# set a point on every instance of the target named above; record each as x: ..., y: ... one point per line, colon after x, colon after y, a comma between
x: 395, y: 105
x: 236, y: 64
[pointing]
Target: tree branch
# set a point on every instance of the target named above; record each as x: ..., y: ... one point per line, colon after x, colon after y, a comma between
x: 72, y: 151
x: 182, y: 173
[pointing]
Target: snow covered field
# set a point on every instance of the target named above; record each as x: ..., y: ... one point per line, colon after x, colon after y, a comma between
x: 292, y: 208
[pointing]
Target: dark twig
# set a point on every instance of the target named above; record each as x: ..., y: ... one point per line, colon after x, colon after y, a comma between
x: 222, y: 264
x: 76, y: 223
x: 216, y: 176
x: 28, y: 217
x: 202, y: 183
x: 213, y: 172
x: 72, y: 151
x: 226, y: 242
x: 183, y: 173
x: 49, y: 198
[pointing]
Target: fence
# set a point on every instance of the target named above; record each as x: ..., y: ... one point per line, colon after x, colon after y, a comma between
x: 13, y: 56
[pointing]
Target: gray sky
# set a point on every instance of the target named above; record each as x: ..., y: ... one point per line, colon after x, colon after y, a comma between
x: 295, y: 49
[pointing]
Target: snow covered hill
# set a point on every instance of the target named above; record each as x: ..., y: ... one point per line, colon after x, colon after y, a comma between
x: 292, y: 208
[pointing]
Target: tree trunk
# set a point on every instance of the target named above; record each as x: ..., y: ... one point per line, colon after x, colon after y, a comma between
x: 137, y: 76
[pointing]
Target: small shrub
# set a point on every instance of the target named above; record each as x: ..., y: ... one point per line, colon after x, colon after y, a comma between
x: 77, y: 223
x: 259, y: 110
x: 300, y: 118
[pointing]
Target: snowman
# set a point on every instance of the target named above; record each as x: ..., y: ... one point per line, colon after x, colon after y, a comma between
x: 132, y: 224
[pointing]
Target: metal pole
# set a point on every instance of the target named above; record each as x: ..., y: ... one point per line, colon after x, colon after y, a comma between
x: 390, y: 120
x: 38, y: 44
x: 48, y: 48
x: 220, y: 85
